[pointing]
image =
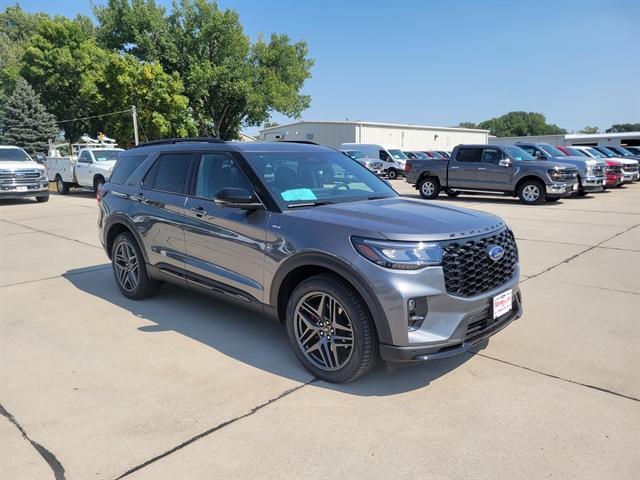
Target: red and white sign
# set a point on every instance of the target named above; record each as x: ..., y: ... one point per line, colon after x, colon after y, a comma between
x: 502, y: 304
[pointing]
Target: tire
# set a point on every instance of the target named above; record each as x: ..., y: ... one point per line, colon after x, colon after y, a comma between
x: 61, y: 186
x: 552, y: 199
x: 332, y: 361
x: 452, y: 193
x: 96, y: 184
x: 581, y: 192
x: 532, y: 192
x: 42, y: 198
x: 429, y: 188
x: 392, y: 174
x: 138, y: 285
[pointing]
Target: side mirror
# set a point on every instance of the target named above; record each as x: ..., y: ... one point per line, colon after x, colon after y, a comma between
x: 505, y: 162
x: 237, y: 198
x: 540, y: 156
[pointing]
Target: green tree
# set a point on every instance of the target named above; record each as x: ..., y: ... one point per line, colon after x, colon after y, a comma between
x: 229, y: 82
x: 25, y: 122
x: 623, y: 127
x: 467, y: 125
x: 517, y: 124
x: 56, y: 62
x: 122, y: 81
x: 589, y: 130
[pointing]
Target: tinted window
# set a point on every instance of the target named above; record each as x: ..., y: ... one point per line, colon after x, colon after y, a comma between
x: 518, y: 153
x: 385, y: 156
x: 85, y: 157
x: 551, y: 150
x: 528, y: 149
x: 125, y: 167
x: 468, y: 154
x: 492, y: 155
x: 218, y: 171
x: 169, y: 173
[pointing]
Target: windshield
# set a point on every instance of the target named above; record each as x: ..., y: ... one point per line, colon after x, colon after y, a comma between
x: 595, y: 153
x: 624, y: 151
x: 397, y: 154
x: 574, y: 152
x: 106, y: 155
x: 14, y: 155
x: 315, y: 177
x: 551, y: 150
x: 518, y: 154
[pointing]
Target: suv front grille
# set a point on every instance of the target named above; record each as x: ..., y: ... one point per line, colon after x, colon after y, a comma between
x: 468, y: 269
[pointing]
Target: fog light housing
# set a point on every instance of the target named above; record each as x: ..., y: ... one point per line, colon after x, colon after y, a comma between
x: 416, y: 312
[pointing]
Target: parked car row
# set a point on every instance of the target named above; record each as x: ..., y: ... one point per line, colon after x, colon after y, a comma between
x: 533, y: 172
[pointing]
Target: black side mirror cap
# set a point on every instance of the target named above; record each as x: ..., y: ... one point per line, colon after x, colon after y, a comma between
x: 238, y: 198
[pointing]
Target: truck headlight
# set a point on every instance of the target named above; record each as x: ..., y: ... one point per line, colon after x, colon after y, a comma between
x: 398, y: 255
x: 555, y: 175
x: 43, y: 174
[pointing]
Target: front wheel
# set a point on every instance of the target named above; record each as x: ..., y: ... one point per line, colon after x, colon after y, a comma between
x: 452, y: 193
x: 532, y: 192
x: 429, y: 188
x: 331, y: 330
x: 42, y: 198
x: 392, y: 174
x: 97, y: 183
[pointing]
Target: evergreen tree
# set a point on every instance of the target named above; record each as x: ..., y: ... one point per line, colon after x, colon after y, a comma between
x: 25, y: 122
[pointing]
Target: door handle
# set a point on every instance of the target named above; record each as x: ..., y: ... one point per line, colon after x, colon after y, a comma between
x: 199, y: 211
x: 482, y: 168
x: 454, y: 168
x: 137, y: 197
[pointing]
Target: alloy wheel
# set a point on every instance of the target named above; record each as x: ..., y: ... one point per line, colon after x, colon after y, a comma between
x: 428, y: 188
x: 126, y: 267
x: 324, y: 331
x: 531, y: 193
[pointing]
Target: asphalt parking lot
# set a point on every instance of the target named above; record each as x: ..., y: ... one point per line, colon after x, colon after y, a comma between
x: 93, y: 385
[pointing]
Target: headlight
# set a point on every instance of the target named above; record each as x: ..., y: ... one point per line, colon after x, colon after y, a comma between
x: 107, y: 174
x: 399, y: 255
x: 43, y: 174
x: 589, y: 169
x: 555, y: 174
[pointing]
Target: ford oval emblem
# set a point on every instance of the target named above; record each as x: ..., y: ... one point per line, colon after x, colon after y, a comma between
x: 495, y: 252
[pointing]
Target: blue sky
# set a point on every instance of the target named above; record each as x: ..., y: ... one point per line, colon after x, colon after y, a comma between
x: 443, y: 62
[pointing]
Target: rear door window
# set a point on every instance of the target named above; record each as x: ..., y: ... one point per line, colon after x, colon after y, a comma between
x: 125, y: 167
x: 469, y: 154
x: 169, y: 173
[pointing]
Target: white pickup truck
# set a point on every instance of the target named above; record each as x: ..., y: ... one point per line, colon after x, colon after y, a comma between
x: 90, y: 166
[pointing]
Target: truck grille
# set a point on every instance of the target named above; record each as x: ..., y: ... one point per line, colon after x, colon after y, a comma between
x: 468, y: 269
x: 630, y: 168
x: 19, y: 176
x: 567, y: 174
x: 376, y: 165
x: 614, y: 169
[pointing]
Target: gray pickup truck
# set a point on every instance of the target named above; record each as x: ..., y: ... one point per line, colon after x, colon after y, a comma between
x: 494, y: 169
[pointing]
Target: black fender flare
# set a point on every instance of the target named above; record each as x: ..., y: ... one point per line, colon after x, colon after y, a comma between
x: 342, y: 268
x: 120, y: 219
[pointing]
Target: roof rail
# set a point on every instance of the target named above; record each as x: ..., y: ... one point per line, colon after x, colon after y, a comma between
x: 168, y: 141
x: 305, y: 142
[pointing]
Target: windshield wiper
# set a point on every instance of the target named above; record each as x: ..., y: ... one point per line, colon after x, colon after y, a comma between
x: 308, y: 204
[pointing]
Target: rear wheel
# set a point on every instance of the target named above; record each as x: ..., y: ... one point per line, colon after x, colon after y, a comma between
x: 331, y: 330
x: 61, y: 186
x: 532, y: 192
x: 130, y: 268
x: 452, y: 193
x: 429, y: 188
x: 392, y: 174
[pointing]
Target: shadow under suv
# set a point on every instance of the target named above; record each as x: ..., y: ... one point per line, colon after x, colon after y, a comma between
x: 303, y: 233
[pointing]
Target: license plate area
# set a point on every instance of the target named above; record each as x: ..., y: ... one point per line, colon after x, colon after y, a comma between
x: 502, y: 303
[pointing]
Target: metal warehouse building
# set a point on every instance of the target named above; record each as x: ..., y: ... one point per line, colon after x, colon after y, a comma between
x: 405, y: 137
x: 583, y: 139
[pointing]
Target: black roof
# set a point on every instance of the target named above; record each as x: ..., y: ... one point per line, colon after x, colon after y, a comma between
x: 210, y: 143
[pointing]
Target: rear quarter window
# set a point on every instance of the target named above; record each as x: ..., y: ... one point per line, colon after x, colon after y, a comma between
x: 124, y: 167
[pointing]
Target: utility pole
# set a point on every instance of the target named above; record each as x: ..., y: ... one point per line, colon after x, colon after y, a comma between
x: 134, y: 114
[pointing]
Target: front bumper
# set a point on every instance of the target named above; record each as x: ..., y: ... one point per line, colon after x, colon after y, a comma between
x: 11, y: 190
x: 562, y: 188
x: 593, y: 183
x: 613, y: 180
x: 394, y: 354
x: 629, y: 177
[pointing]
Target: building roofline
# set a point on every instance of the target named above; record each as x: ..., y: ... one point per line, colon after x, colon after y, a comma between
x: 377, y: 124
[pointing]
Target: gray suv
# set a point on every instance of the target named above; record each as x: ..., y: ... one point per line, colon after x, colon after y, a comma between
x: 306, y: 235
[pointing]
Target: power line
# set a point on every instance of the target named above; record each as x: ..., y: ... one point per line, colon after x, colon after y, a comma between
x: 77, y: 119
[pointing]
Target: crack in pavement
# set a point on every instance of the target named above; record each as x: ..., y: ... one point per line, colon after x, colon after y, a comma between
x: 49, y: 233
x: 573, y: 257
x: 550, y: 375
x: 50, y: 458
x: 214, y: 429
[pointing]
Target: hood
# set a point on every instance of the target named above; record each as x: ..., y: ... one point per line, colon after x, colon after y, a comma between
x: 105, y: 164
x: 624, y: 160
x: 404, y: 219
x: 20, y: 165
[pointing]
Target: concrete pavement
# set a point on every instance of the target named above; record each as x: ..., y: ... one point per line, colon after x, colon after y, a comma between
x: 185, y: 386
